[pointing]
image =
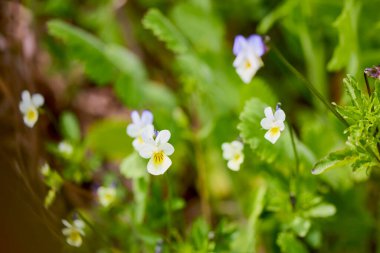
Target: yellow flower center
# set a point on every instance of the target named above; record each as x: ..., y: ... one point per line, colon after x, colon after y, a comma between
x: 75, y: 235
x: 140, y: 140
x: 236, y: 157
x: 274, y: 131
x: 247, y: 64
x: 158, y: 157
x: 108, y: 196
x: 31, y: 114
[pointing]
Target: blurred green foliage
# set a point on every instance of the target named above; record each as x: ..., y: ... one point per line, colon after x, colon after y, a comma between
x: 174, y: 58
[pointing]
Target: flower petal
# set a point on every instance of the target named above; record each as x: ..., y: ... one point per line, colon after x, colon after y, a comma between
x: 272, y: 137
x: 135, y: 117
x: 266, y: 123
x: 257, y: 44
x: 279, y: 115
x: 227, y: 151
x: 239, y: 44
x: 163, y: 137
x: 167, y: 148
x: 38, y: 100
x: 25, y: 96
x: 146, y: 150
x: 237, y: 145
x: 133, y: 130
x: 233, y: 165
x: 66, y: 223
x: 146, y: 118
x: 269, y: 113
x: 79, y: 224
x: 159, y: 169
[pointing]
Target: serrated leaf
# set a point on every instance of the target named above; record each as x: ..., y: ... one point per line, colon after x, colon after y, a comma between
x: 334, y: 159
x: 346, y: 52
x: 164, y: 29
x: 133, y: 166
x: 290, y: 244
x: 352, y: 89
x: 321, y: 211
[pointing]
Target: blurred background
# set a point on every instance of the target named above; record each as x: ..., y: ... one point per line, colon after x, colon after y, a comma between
x: 95, y: 61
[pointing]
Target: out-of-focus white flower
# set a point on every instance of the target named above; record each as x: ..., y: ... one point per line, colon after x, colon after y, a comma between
x: 73, y: 232
x: 106, y: 195
x: 45, y: 169
x: 158, y: 151
x: 273, y: 123
x: 29, y: 107
x: 140, y: 126
x: 248, y: 56
x: 233, y: 152
x: 65, y: 148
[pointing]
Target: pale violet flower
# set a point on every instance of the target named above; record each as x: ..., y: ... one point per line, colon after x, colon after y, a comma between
x: 248, y: 56
x: 65, y: 148
x: 140, y: 126
x: 29, y: 107
x: 106, y: 195
x: 274, y: 123
x: 158, y: 151
x: 233, y: 152
x: 73, y: 232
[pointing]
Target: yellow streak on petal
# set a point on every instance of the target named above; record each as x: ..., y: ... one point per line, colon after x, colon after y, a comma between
x: 31, y: 114
x: 158, y: 157
x: 274, y: 131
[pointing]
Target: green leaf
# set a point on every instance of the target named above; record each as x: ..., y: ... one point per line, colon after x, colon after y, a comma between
x: 300, y: 226
x: 352, y: 89
x: 281, y: 11
x: 133, y: 166
x: 86, y: 48
x: 346, y: 52
x: 321, y: 211
x: 334, y: 159
x: 163, y: 28
x: 108, y: 138
x: 70, y: 127
x: 201, y: 26
x: 140, y: 193
x: 290, y: 244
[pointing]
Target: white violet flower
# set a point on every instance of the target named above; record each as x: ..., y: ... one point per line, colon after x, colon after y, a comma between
x: 73, y: 232
x: 233, y: 152
x: 65, y: 148
x: 274, y: 123
x: 248, y: 56
x: 29, y: 107
x: 106, y: 195
x: 140, y: 126
x: 158, y: 151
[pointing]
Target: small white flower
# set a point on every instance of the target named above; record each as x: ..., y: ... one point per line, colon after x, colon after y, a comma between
x: 106, y: 195
x: 65, y: 148
x: 45, y: 169
x: 140, y: 127
x: 233, y: 152
x: 273, y: 123
x: 158, y: 151
x: 29, y: 107
x: 248, y: 56
x: 73, y: 232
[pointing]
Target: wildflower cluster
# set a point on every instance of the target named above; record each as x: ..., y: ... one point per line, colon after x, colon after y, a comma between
x: 150, y: 144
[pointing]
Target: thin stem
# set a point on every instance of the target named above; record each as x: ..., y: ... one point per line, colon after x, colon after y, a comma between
x: 89, y: 224
x: 295, y: 173
x: 168, y: 206
x: 367, y: 84
x: 309, y: 85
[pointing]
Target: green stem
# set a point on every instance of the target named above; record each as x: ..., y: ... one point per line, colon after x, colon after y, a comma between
x: 168, y: 206
x: 309, y: 85
x: 89, y: 224
x: 294, y: 177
